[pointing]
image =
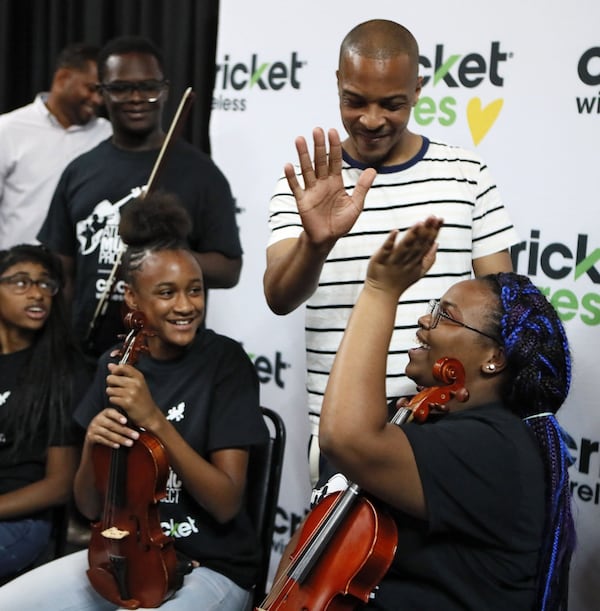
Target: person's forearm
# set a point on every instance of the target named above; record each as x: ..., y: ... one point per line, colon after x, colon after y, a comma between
x: 293, y: 271
x: 87, y: 497
x: 493, y: 264
x: 35, y: 497
x: 53, y: 489
x: 355, y: 398
x: 210, y: 486
x: 219, y: 271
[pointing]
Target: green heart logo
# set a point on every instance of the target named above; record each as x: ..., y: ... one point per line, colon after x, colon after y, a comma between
x: 481, y: 119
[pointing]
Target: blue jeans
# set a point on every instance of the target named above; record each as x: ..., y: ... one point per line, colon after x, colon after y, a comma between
x: 62, y: 585
x: 21, y: 542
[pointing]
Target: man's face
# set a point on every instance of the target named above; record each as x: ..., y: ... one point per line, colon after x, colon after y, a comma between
x: 79, y: 97
x: 376, y: 99
x: 133, y: 110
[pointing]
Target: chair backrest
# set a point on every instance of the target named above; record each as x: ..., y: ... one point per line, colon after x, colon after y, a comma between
x: 60, y: 526
x: 264, y: 478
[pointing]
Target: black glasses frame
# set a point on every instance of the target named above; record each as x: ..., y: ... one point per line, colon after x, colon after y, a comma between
x: 120, y: 91
x: 436, y: 312
x: 21, y: 283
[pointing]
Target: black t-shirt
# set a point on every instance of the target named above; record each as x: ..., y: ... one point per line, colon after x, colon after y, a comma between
x: 484, y: 485
x: 84, y: 215
x: 28, y: 465
x: 483, y: 480
x: 210, y: 395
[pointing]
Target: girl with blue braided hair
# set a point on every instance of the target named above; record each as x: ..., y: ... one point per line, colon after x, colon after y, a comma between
x: 539, y: 364
x: 480, y: 491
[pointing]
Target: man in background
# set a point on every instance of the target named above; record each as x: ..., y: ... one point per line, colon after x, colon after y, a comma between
x: 83, y: 220
x: 40, y: 139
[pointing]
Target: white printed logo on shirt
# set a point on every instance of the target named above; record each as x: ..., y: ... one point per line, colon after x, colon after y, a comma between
x: 179, y: 530
x: 172, y: 488
x: 100, y: 229
x: 177, y: 412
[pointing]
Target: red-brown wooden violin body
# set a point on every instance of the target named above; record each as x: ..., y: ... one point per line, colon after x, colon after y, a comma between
x: 347, y: 542
x: 132, y: 562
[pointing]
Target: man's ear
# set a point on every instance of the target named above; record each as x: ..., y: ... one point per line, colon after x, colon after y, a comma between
x: 418, y: 89
x: 61, y: 78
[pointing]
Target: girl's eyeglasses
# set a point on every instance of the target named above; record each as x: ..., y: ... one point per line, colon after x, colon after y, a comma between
x: 434, y: 308
x: 21, y: 283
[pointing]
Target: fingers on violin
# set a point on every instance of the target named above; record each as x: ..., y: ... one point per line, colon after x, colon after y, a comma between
x: 402, y: 402
x: 109, y: 428
x: 438, y: 407
x: 111, y: 439
x: 122, y: 370
x: 110, y: 414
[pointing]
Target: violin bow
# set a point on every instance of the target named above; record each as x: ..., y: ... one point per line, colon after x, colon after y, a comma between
x: 174, y: 130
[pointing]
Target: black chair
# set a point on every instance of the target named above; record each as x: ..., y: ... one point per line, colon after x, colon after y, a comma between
x: 264, y: 477
x: 60, y: 526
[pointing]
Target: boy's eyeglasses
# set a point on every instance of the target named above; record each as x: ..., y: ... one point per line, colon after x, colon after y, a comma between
x: 121, y: 91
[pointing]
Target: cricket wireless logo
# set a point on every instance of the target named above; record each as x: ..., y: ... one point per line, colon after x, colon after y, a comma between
x: 587, y: 454
x: 557, y: 261
x: 468, y: 71
x: 588, y: 69
x: 234, y: 77
x: 269, y: 369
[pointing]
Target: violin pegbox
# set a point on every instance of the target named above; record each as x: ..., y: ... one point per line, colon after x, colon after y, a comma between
x: 135, y: 340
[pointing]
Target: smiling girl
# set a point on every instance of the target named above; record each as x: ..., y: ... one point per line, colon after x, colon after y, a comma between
x: 480, y: 495
x: 198, y: 393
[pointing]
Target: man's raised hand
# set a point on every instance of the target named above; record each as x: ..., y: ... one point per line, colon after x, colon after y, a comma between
x: 326, y: 209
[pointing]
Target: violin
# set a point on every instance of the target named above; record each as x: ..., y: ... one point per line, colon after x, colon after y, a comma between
x: 348, y: 541
x: 132, y: 562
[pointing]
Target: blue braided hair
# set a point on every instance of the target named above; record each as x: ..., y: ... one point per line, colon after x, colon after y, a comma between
x: 539, y: 368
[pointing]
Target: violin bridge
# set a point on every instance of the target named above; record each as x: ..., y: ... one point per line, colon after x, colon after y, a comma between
x: 114, y: 533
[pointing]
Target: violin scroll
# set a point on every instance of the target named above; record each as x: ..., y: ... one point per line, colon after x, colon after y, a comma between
x: 452, y: 373
x: 135, y: 340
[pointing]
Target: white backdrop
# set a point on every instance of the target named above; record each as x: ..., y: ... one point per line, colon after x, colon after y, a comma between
x: 520, y: 84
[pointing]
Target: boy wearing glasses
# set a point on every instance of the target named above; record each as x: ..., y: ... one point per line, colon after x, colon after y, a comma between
x: 82, y: 224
